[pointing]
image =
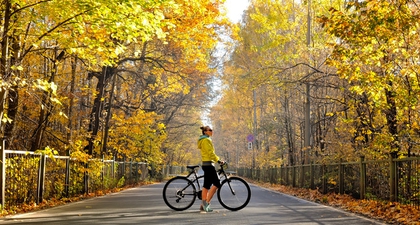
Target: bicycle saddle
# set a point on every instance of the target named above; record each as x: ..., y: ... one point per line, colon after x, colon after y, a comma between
x: 193, y: 167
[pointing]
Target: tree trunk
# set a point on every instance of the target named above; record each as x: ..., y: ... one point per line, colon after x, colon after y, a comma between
x: 95, y: 115
x: 4, y: 66
x: 43, y: 115
x: 47, y: 108
x: 13, y: 96
x: 71, y: 103
x: 289, y: 132
x: 108, y: 115
x: 12, y: 109
x: 391, y: 118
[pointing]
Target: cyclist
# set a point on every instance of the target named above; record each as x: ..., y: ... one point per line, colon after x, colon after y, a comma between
x: 209, y: 157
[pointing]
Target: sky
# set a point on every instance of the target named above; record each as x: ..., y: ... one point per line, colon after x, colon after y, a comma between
x: 235, y: 9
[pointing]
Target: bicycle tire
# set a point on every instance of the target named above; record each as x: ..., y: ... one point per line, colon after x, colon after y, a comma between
x: 236, y: 199
x: 179, y: 193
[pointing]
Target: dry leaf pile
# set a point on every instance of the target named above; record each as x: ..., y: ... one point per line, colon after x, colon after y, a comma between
x: 389, y: 212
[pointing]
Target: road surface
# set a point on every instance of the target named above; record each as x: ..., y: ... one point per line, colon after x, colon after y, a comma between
x: 144, y: 205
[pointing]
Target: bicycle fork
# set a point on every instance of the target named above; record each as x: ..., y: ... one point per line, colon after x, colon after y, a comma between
x: 230, y: 187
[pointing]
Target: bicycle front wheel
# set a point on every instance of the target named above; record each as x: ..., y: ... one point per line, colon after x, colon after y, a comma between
x: 179, y: 193
x: 234, y: 194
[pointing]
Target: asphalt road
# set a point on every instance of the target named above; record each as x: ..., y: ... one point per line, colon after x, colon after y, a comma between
x: 144, y: 205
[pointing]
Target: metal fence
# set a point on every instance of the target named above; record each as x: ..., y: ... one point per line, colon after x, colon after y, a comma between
x: 390, y: 180
x: 28, y: 177
x: 170, y: 171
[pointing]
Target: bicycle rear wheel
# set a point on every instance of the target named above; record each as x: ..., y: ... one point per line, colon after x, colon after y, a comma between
x: 234, y: 194
x: 179, y: 193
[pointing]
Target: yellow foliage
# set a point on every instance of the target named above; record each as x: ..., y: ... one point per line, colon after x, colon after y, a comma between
x: 138, y: 137
x: 77, y: 152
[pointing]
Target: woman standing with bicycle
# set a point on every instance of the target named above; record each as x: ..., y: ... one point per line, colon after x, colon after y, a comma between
x: 209, y: 158
x: 180, y: 192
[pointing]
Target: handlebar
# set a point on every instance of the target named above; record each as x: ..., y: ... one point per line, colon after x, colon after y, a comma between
x: 223, y: 165
x: 222, y: 162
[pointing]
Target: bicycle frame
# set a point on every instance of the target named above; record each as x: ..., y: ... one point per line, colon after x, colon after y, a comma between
x: 180, y: 192
x: 193, y: 176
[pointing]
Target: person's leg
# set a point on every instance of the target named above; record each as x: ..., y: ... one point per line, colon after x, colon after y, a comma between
x: 206, y: 187
x: 210, y: 194
x: 205, y: 206
x: 215, y: 185
x: 204, y: 194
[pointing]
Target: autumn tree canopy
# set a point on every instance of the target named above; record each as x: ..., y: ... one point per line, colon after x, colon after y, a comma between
x: 358, y: 60
x: 132, y: 79
x: 101, y: 78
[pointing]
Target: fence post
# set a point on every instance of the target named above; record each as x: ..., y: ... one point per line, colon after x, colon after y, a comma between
x: 294, y: 176
x: 130, y: 173
x: 123, y: 171
x: 257, y: 174
x: 362, y: 177
x: 324, y: 179
x: 113, y: 168
x: 86, y: 178
x: 67, y: 177
x: 302, y: 176
x: 103, y: 173
x: 276, y: 175
x: 137, y: 172
x: 281, y: 175
x: 312, y: 175
x: 392, y: 180
x: 41, y: 178
x: 341, y: 177
x: 165, y: 171
x: 3, y: 172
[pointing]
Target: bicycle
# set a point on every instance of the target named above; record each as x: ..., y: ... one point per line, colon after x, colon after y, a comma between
x: 180, y: 192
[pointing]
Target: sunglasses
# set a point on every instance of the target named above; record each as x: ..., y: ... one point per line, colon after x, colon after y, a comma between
x: 210, y: 130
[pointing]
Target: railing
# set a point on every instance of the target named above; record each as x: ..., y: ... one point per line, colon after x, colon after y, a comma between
x: 391, y: 180
x: 170, y: 171
x: 28, y: 177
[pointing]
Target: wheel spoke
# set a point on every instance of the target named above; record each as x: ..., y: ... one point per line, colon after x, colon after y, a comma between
x: 234, y: 194
x: 179, y: 193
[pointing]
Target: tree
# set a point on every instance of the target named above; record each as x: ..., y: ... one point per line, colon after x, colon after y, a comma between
x: 375, y: 53
x: 31, y: 27
x: 145, y: 58
x: 272, y: 60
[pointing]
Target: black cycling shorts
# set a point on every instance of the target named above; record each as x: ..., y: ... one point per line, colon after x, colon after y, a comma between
x: 210, y: 177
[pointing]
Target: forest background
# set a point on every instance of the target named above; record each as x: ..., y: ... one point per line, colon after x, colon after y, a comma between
x: 135, y: 80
